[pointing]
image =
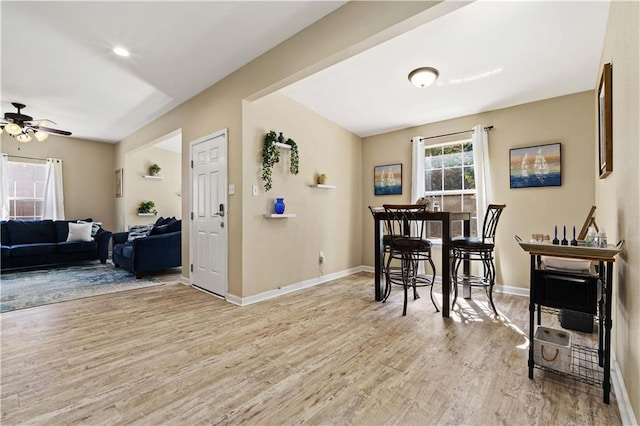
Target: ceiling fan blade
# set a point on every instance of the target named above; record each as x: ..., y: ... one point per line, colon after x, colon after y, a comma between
x: 50, y: 130
x: 40, y: 122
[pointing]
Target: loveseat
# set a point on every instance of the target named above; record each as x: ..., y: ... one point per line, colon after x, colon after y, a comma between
x: 149, y: 249
x: 28, y: 243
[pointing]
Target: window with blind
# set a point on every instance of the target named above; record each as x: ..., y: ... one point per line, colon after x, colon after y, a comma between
x: 450, y: 183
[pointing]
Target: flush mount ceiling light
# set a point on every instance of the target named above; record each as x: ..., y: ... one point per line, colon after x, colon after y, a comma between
x: 423, y: 77
x: 121, y: 51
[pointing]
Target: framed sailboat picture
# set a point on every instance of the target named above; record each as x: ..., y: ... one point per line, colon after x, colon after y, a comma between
x: 533, y: 166
x: 387, y: 179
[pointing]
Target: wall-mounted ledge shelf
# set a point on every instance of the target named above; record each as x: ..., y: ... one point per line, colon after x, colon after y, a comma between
x: 279, y: 216
x: 323, y: 186
x: 146, y: 214
x: 153, y: 177
x: 282, y: 145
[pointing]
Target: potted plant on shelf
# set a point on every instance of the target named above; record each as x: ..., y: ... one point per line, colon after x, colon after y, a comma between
x: 147, y: 207
x: 154, y: 169
x: 271, y: 155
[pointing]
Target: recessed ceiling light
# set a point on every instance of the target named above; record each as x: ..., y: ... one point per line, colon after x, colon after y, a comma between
x: 423, y: 77
x: 121, y: 51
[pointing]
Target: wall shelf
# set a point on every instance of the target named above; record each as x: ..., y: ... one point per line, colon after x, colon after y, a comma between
x: 279, y: 216
x: 146, y: 214
x: 153, y: 177
x: 282, y: 145
x: 319, y: 186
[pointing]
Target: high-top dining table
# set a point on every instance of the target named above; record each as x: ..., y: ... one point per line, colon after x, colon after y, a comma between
x: 379, y: 216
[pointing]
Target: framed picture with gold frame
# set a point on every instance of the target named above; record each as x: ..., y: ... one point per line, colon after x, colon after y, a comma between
x: 605, y: 123
x: 119, y: 178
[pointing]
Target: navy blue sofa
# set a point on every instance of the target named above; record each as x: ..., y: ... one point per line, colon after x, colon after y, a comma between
x: 161, y: 249
x: 27, y: 243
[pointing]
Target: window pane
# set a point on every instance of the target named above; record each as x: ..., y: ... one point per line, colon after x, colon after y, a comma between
x: 452, y: 155
x: 469, y: 178
x: 24, y: 189
x: 24, y: 208
x: 469, y: 205
x: 39, y: 189
x: 453, y: 179
x: 433, y: 158
x: 468, y: 158
x: 434, y: 180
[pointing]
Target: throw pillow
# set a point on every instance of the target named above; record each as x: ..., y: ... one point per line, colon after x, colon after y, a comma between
x: 174, y: 226
x: 157, y: 230
x: 139, y: 231
x: 95, y: 226
x: 79, y: 232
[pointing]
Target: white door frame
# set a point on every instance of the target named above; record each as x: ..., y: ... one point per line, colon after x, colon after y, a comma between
x: 192, y: 239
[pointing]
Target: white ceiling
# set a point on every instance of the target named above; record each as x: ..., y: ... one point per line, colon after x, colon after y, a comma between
x: 490, y: 55
x: 56, y: 58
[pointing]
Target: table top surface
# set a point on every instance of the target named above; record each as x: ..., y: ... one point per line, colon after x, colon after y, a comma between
x: 576, y: 252
x: 379, y: 212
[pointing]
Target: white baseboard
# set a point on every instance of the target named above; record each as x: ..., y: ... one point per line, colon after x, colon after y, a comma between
x: 244, y: 301
x: 622, y: 397
x: 184, y: 280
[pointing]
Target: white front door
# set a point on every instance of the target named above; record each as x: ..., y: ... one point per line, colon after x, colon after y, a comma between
x: 209, y: 235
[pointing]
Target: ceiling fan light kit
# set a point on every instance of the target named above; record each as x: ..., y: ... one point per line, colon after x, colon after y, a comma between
x: 21, y: 126
x: 423, y: 77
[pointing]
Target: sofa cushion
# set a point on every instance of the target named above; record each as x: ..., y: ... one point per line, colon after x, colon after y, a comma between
x: 127, y: 250
x: 79, y: 232
x: 124, y: 250
x: 4, y: 231
x: 159, y: 229
x: 6, y: 251
x: 31, y: 231
x: 32, y: 249
x: 77, y: 246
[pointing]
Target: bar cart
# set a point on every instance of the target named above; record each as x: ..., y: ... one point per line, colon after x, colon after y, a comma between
x: 577, y: 291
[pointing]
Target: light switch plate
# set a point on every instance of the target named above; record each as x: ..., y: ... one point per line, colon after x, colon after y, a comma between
x: 232, y: 189
x: 254, y: 190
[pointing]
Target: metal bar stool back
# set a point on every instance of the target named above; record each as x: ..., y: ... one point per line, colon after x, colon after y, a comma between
x: 480, y: 250
x: 408, y: 249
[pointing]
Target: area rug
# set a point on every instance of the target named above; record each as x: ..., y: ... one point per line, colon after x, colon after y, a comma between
x: 26, y: 289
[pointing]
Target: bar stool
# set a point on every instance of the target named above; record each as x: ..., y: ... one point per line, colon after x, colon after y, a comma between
x: 409, y: 248
x: 477, y: 249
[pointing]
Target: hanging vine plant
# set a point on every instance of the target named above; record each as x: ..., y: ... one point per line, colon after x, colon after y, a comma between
x: 271, y: 155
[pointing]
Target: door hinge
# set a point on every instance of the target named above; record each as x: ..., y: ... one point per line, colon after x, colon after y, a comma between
x: 191, y: 267
x: 192, y: 164
x: 191, y: 215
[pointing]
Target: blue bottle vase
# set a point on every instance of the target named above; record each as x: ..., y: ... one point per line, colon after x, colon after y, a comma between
x: 278, y: 207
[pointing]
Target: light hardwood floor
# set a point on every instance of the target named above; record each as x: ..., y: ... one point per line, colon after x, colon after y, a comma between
x: 326, y: 355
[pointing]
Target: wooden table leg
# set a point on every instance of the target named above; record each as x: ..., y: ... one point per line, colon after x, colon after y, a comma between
x: 377, y: 243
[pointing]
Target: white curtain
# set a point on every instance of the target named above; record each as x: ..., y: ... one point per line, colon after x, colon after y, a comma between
x: 4, y: 190
x: 417, y: 168
x: 480, y: 140
x: 53, y: 193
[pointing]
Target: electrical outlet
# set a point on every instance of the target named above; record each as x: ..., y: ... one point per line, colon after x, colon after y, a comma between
x: 321, y: 257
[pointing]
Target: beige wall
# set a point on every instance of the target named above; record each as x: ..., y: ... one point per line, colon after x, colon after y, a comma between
x: 165, y: 193
x: 88, y: 173
x: 618, y: 196
x: 567, y: 119
x: 333, y: 38
x: 278, y: 252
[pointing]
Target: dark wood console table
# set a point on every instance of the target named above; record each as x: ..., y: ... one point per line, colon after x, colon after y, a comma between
x: 379, y: 216
x: 605, y: 258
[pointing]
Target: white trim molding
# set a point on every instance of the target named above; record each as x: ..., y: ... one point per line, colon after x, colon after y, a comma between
x: 622, y: 397
x: 290, y: 288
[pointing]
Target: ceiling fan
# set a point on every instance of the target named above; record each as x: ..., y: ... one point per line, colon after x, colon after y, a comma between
x: 19, y: 126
